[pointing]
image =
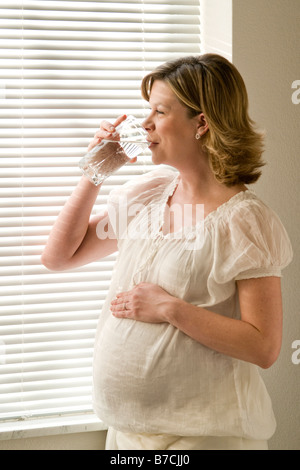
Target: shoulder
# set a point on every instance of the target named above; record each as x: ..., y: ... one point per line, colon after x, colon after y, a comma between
x: 144, y: 188
x: 250, y: 214
x: 252, y: 238
x: 133, y: 197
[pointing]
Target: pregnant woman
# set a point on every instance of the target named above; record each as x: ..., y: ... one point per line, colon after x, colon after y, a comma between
x: 194, y: 307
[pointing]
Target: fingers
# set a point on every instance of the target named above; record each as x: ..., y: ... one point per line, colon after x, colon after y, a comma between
x: 109, y: 128
x: 119, y: 120
x: 106, y: 127
x: 121, y: 306
x: 106, y: 131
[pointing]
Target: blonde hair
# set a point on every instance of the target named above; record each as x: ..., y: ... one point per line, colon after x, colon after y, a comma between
x: 212, y: 85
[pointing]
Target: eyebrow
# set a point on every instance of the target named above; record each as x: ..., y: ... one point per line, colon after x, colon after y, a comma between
x: 159, y: 104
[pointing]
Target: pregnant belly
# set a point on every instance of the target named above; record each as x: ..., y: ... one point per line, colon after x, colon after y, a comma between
x: 148, y: 372
x: 134, y: 361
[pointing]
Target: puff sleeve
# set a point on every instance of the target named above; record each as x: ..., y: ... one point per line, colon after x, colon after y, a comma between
x: 253, y: 243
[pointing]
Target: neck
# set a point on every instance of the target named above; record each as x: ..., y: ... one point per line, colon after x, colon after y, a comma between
x: 198, y: 182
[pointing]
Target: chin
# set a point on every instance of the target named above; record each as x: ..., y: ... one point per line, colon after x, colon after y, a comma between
x: 156, y: 160
x: 159, y: 159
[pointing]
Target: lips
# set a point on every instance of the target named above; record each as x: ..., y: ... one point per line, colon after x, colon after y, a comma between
x: 151, y: 142
x: 152, y: 145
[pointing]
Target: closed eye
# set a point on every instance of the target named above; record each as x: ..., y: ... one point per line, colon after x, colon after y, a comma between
x: 156, y: 111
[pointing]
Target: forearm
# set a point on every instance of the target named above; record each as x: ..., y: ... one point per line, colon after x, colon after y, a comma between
x: 232, y: 337
x: 255, y: 338
x: 71, y: 224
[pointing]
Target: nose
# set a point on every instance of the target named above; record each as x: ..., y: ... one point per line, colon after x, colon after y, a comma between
x: 148, y: 124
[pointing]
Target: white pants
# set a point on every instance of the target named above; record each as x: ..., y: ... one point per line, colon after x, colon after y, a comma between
x: 117, y: 440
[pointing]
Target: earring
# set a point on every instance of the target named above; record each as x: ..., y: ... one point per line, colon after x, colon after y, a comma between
x: 198, y: 136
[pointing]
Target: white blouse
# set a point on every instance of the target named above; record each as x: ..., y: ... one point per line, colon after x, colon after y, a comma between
x: 152, y: 377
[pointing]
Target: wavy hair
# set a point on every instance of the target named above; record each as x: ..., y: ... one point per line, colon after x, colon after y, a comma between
x: 212, y: 85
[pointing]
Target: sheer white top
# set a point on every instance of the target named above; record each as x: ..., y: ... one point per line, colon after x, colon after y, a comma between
x: 152, y: 377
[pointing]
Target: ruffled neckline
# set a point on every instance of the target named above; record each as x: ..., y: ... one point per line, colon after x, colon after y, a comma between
x: 232, y: 201
x: 169, y: 191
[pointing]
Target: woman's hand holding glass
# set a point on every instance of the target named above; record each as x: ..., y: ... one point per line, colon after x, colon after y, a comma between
x: 106, y: 131
x: 113, y: 146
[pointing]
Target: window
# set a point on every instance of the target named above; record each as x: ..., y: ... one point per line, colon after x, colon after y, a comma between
x: 65, y: 66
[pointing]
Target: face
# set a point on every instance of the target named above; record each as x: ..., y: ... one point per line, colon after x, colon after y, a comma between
x: 170, y: 130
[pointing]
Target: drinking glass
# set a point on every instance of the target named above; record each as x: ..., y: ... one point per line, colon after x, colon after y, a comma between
x: 106, y: 158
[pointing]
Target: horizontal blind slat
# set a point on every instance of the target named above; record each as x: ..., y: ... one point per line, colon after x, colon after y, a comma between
x: 53, y: 366
x: 51, y: 374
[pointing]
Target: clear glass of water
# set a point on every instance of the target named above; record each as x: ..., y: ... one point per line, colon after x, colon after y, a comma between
x: 129, y: 141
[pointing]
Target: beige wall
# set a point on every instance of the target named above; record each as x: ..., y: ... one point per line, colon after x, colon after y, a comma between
x: 266, y: 50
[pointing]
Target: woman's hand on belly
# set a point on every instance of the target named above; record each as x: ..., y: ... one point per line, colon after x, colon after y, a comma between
x: 146, y: 302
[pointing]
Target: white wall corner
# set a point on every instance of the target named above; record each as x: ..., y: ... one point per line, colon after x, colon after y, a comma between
x: 216, y: 27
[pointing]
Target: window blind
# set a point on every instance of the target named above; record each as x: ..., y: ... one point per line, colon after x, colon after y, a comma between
x: 64, y: 66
